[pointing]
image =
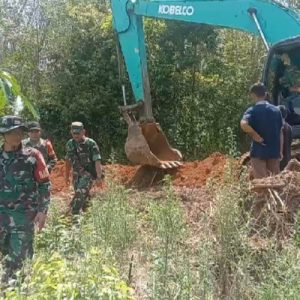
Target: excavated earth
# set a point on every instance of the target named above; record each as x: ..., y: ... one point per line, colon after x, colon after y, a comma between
x: 190, y: 175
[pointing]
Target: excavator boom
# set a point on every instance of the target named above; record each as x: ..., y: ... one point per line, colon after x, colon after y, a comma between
x: 270, y: 20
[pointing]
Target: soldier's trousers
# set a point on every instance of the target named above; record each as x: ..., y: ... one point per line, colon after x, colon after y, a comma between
x: 16, y: 240
x: 82, y: 186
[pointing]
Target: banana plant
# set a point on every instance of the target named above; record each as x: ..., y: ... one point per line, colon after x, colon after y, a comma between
x: 11, y: 98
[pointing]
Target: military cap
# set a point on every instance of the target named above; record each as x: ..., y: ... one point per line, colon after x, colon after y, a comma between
x: 33, y: 126
x: 76, y: 127
x: 9, y: 123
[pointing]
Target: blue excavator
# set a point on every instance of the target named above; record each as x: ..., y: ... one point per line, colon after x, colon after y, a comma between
x: 277, y: 25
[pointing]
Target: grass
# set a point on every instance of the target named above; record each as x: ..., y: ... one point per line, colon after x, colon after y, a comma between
x: 141, y: 245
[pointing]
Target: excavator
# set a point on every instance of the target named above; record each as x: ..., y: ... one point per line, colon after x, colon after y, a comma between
x: 277, y: 25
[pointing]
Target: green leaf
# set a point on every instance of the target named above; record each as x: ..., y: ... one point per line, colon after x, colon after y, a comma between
x: 11, y: 96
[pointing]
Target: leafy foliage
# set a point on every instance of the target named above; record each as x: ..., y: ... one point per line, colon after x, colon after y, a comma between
x: 73, y: 257
x: 11, y: 99
x: 56, y: 278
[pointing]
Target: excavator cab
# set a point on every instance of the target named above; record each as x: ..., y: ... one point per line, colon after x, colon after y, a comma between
x: 281, y: 56
x: 282, y: 79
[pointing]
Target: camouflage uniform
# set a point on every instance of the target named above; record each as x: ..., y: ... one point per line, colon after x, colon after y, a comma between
x: 24, y: 191
x: 46, y: 148
x: 82, y: 157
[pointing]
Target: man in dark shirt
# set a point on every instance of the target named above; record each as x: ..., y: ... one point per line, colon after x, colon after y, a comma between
x: 287, y: 138
x: 263, y: 123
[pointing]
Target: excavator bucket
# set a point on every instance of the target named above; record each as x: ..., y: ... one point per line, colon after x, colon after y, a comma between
x: 146, y: 144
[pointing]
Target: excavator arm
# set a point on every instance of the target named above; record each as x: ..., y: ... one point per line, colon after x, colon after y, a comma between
x: 270, y: 20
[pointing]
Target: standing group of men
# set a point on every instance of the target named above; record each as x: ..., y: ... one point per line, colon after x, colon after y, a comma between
x: 25, y: 165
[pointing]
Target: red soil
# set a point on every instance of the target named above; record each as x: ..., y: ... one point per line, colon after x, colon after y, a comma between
x: 191, y: 174
x: 196, y: 174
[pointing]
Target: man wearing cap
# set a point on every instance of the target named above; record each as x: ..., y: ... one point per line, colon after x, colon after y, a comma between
x: 82, y: 154
x: 24, y: 195
x: 44, y: 146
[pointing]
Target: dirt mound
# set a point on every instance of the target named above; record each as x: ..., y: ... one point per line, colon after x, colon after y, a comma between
x: 190, y: 174
x: 122, y: 173
x: 196, y: 174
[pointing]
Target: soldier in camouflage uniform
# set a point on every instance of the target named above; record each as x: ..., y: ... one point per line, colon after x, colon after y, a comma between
x: 44, y: 146
x: 291, y: 82
x: 82, y: 154
x: 24, y: 195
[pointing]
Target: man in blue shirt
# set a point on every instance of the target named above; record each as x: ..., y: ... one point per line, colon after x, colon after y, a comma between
x: 263, y: 123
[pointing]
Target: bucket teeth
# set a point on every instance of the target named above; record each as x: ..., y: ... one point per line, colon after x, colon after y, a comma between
x: 170, y: 164
x: 173, y: 164
x: 163, y: 166
x: 167, y: 165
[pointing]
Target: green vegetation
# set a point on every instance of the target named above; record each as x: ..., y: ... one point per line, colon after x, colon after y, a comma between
x: 63, y: 54
x: 78, y: 261
x: 142, y: 245
x: 12, y: 101
x: 160, y: 249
